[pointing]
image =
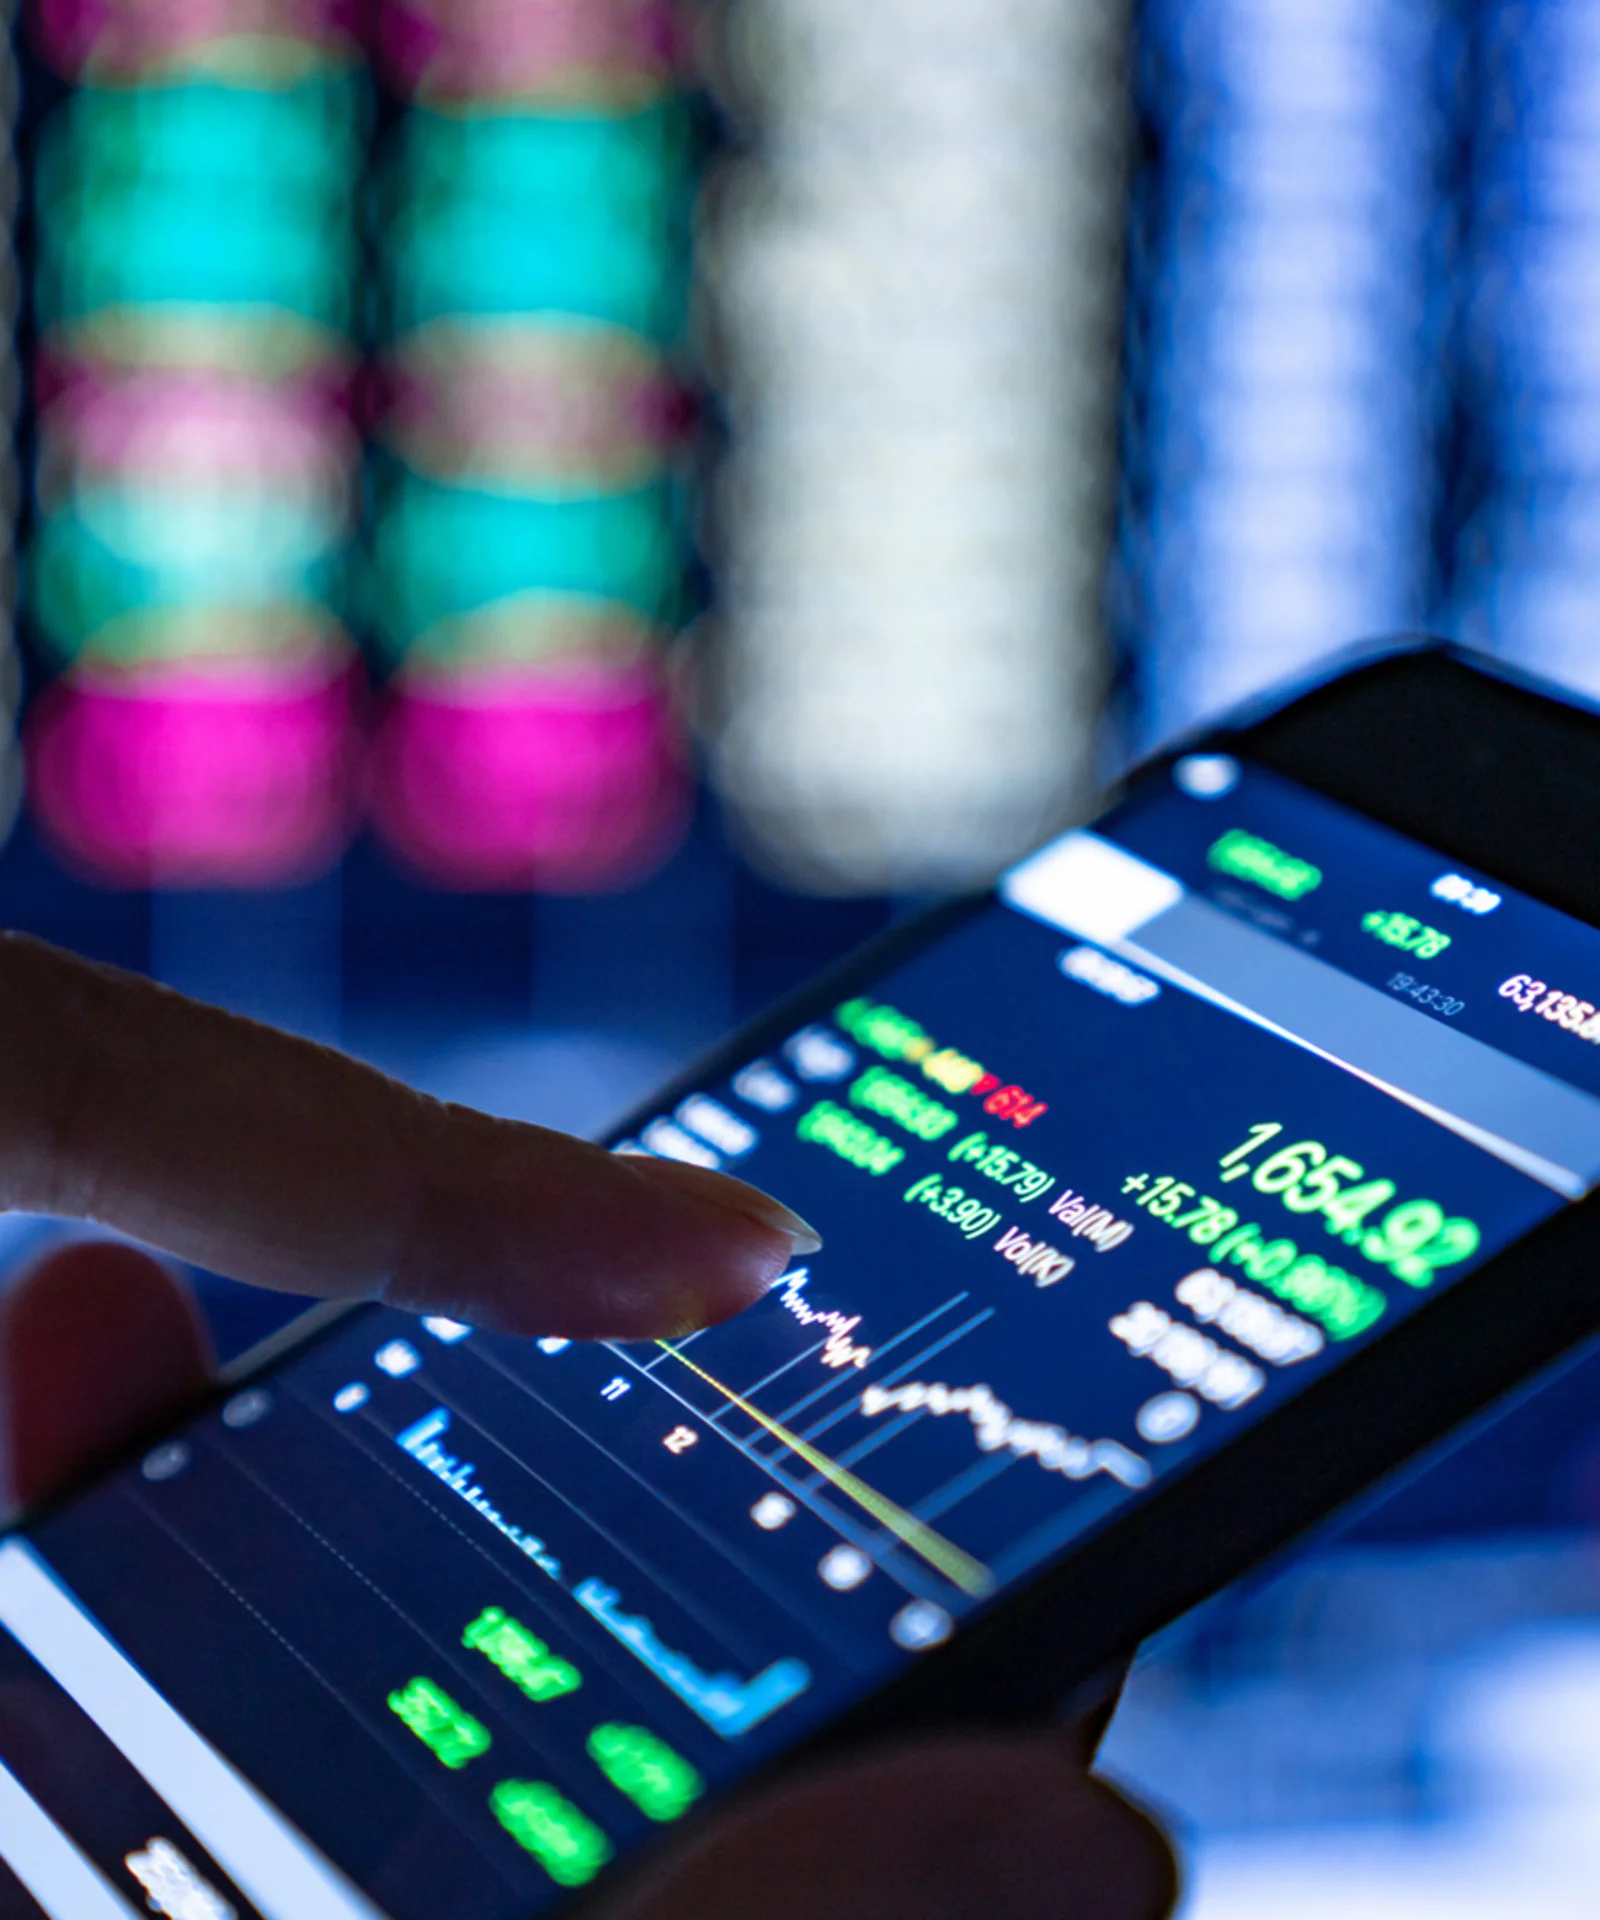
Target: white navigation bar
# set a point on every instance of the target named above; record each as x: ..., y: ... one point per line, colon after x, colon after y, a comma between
x: 1547, y: 1128
x: 66, y: 1883
x: 271, y: 1862
x: 1090, y: 887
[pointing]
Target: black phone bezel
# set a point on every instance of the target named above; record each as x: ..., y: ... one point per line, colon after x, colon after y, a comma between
x: 1477, y: 762
x: 1488, y: 769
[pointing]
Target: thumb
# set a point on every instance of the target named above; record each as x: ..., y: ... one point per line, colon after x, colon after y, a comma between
x: 981, y: 1828
x: 99, y: 1344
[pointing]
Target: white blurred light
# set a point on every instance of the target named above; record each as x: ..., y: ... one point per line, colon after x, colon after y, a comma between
x: 1519, y: 1729
x: 919, y: 1624
x: 1207, y: 776
x: 1282, y: 475
x: 844, y: 1568
x: 1399, y: 1732
x: 1168, y: 1417
x: 919, y: 288
x: 1529, y: 555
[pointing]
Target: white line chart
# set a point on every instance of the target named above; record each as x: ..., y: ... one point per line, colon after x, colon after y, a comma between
x: 784, y: 1430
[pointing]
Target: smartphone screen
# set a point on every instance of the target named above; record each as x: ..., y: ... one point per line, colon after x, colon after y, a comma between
x: 429, y: 1621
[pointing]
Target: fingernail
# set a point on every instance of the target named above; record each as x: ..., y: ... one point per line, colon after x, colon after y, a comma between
x: 724, y: 1191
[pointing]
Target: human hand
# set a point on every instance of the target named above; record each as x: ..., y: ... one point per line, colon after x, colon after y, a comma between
x: 295, y: 1167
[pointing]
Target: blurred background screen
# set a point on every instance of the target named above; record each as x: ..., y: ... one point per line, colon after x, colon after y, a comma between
x: 532, y: 525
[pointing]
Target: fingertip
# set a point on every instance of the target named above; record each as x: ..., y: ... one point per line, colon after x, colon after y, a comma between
x: 722, y: 1245
x: 725, y: 1195
x: 531, y: 1232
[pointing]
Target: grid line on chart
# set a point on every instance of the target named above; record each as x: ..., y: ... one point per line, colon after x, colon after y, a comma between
x: 788, y: 1414
x: 870, y: 1540
x: 917, y: 1359
x: 958, y: 1566
x: 777, y: 1373
x: 695, y: 1609
x: 953, y: 1492
x: 420, y: 1775
x: 529, y: 1595
x: 750, y: 1568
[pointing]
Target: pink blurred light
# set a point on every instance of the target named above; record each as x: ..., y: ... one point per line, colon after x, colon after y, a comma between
x: 567, y: 409
x: 204, y: 426
x: 504, y: 777
x: 187, y: 777
x: 161, y: 340
x: 136, y: 36
x: 476, y: 49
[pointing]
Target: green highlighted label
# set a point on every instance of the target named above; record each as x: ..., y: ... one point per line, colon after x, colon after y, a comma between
x: 884, y: 1030
x: 883, y: 1092
x: 448, y: 1731
x: 830, y: 1126
x: 1247, y: 857
x: 953, y: 1203
x: 1409, y: 935
x: 524, y: 1660
x: 1342, y: 1304
x: 1413, y: 1240
x: 566, y: 1843
x: 659, y: 1782
x: 1002, y: 1163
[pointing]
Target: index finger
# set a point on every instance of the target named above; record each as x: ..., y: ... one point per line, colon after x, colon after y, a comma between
x: 288, y: 1164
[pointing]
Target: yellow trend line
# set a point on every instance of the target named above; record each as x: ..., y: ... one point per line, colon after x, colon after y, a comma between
x: 957, y: 1567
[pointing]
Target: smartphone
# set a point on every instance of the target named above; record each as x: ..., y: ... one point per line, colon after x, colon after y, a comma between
x: 1229, y: 1153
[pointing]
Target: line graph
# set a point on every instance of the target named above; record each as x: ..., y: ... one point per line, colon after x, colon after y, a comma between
x: 809, y: 1435
x: 726, y: 1703
x: 996, y: 1428
x: 805, y: 1398
x: 730, y: 1705
x: 960, y: 1568
x: 838, y: 1349
x: 421, y: 1441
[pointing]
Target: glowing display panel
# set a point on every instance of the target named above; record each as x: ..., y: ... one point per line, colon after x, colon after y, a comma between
x: 1147, y: 1143
x: 528, y: 556
x: 197, y: 455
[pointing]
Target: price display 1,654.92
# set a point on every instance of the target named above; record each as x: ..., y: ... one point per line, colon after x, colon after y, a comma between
x: 1412, y: 1239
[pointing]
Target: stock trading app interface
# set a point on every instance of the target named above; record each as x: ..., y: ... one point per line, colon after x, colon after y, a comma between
x: 432, y: 1621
